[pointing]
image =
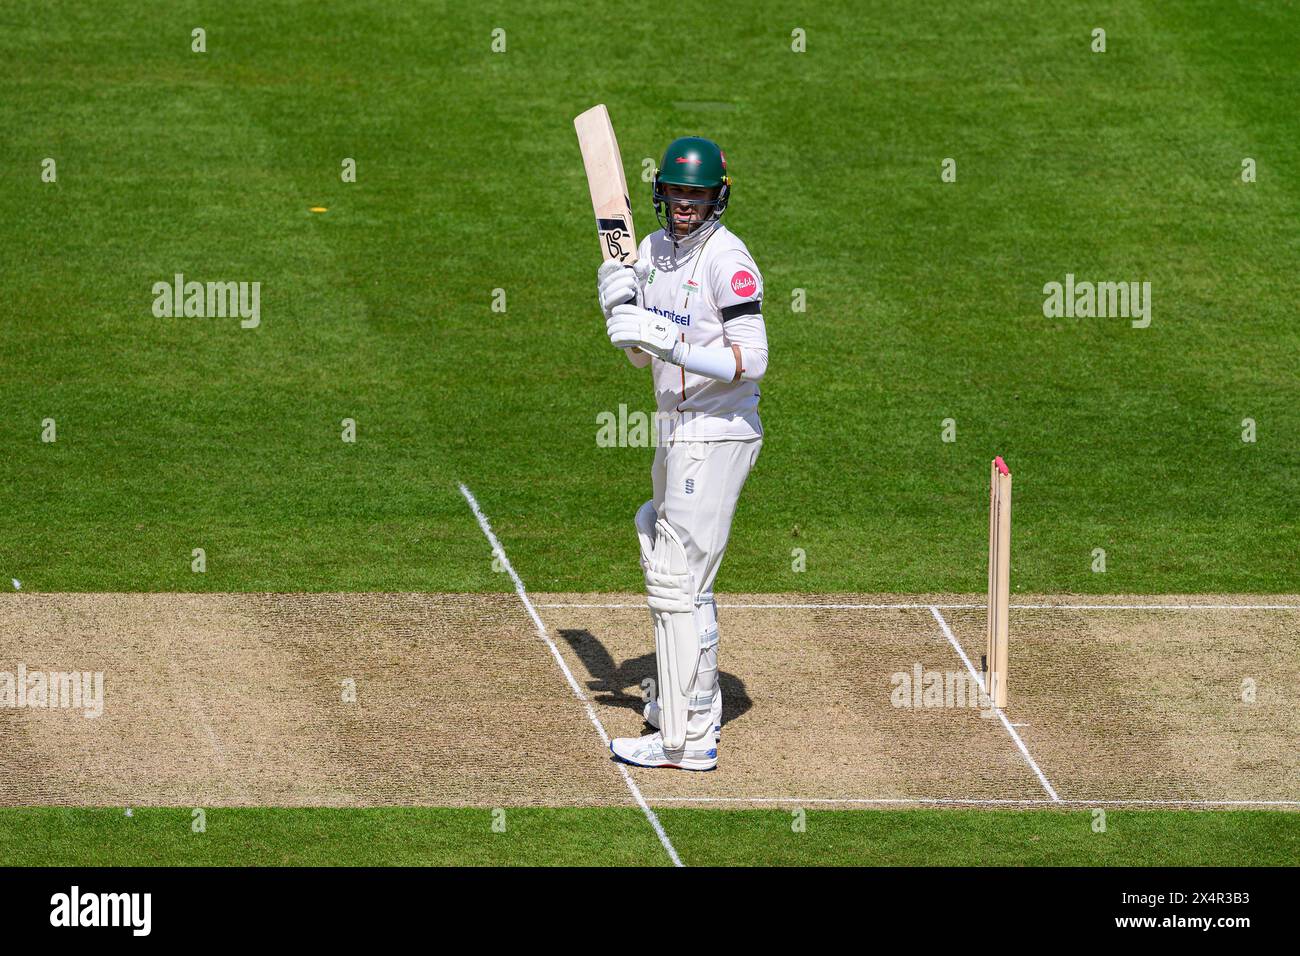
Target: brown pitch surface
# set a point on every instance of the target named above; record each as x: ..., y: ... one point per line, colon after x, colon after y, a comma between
x: 237, y: 699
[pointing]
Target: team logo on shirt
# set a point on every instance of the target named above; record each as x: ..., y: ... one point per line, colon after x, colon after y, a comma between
x: 690, y: 287
x: 743, y: 283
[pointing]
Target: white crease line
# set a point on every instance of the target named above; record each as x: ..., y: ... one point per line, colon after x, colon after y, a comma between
x: 842, y: 607
x: 947, y: 632
x: 942, y: 801
x: 1153, y: 607
x: 568, y: 674
x: 955, y: 607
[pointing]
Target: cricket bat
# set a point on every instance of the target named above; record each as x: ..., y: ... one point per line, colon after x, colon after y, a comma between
x: 607, y: 183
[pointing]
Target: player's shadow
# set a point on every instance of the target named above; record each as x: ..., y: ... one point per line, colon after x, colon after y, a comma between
x: 609, y: 680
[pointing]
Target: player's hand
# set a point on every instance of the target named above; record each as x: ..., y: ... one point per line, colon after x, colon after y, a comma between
x: 615, y: 285
x: 632, y: 327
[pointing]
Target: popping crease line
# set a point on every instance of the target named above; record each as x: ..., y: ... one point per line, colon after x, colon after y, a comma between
x: 1013, y: 801
x: 568, y: 674
x: 956, y: 607
x: 1033, y: 764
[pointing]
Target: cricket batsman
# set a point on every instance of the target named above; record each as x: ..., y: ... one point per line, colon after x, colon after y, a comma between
x: 699, y: 326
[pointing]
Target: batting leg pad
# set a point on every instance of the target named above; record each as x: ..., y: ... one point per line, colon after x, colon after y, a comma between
x: 705, y: 703
x: 705, y: 715
x: 686, y: 642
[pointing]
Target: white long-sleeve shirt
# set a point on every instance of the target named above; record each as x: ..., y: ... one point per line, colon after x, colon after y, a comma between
x: 711, y: 289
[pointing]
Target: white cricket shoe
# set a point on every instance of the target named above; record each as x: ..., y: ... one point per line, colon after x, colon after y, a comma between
x: 648, y: 751
x: 651, y: 714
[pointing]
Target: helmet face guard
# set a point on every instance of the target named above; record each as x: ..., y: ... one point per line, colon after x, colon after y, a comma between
x: 699, y: 164
x: 663, y: 211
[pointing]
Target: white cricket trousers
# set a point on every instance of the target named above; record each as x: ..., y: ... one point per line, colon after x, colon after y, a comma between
x: 696, y: 487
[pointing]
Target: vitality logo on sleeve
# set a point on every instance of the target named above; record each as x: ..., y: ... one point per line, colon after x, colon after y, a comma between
x: 743, y: 283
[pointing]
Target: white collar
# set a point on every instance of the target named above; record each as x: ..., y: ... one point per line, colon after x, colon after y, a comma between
x: 697, y: 238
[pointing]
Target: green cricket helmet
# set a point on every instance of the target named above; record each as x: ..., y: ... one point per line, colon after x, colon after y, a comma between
x: 697, y: 162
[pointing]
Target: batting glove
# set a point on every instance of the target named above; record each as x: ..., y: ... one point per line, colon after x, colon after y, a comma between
x: 630, y: 326
x: 615, y: 284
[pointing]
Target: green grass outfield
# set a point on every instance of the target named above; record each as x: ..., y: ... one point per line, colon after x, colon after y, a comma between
x: 621, y: 837
x: 923, y: 304
x: 923, y: 299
